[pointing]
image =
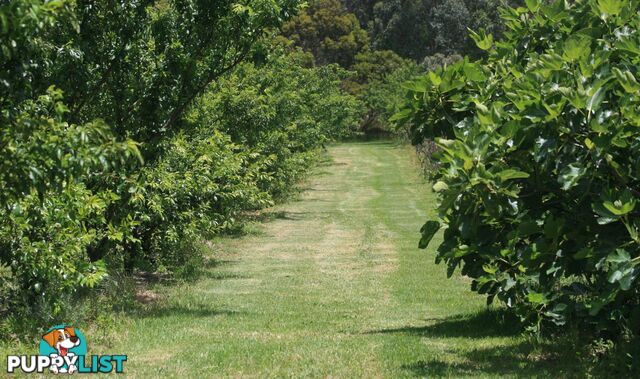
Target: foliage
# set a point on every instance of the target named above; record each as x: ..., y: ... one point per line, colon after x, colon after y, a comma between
x: 332, y: 35
x: 329, y: 32
x: 377, y: 82
x: 48, y: 215
x: 539, y: 178
x: 417, y: 28
x: 433, y: 62
x: 198, y: 188
x: 280, y: 112
x: 250, y: 138
x: 139, y: 65
x: 77, y: 201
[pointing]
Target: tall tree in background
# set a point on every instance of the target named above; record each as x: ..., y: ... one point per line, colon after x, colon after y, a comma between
x: 401, y: 26
x: 419, y: 28
x: 329, y: 31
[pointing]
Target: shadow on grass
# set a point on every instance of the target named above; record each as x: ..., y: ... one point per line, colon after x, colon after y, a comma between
x: 319, y: 173
x: 223, y: 275
x: 489, y: 323
x: 519, y: 360
x: 280, y: 215
x: 527, y: 358
x: 251, y: 222
x: 180, y: 311
x: 217, y: 263
x: 384, y: 137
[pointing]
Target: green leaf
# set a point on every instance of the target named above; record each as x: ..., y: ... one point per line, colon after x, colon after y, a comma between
x: 554, y: 10
x: 606, y: 217
x: 584, y: 254
x: 622, y: 205
x: 445, y: 143
x: 418, y: 85
x: 489, y: 269
x: 629, y: 45
x: 576, y: 47
x: 595, y: 100
x: 619, y: 256
x: 440, y: 186
x: 510, y: 174
x: 571, y: 175
x: 435, y: 78
x: 428, y: 230
x: 626, y: 280
x: 533, y: 5
x: 619, y: 209
x: 589, y: 144
x: 483, y: 41
x: 401, y: 115
x: 536, y: 298
x: 610, y: 7
x: 473, y: 72
x: 627, y: 80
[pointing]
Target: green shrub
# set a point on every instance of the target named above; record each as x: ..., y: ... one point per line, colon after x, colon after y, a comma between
x: 48, y: 215
x: 198, y: 188
x: 539, y: 177
x: 377, y: 83
x: 280, y: 112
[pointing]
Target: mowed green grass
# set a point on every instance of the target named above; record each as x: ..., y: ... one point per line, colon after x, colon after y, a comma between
x: 331, y: 284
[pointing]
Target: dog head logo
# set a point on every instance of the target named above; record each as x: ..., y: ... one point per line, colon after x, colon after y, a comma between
x: 63, y: 341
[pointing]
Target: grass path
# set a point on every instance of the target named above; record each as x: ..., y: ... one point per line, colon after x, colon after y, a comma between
x: 330, y: 285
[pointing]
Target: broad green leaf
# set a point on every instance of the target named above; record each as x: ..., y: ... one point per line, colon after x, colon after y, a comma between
x: 576, y: 47
x: 401, y: 115
x: 428, y: 230
x: 554, y: 10
x: 440, y: 186
x: 618, y: 208
x: 619, y: 256
x: 621, y: 205
x: 595, y: 100
x: 627, y: 80
x: 570, y: 175
x: 483, y: 41
x: 589, y: 144
x: 610, y: 7
x: 435, y: 78
x: 533, y: 5
x: 627, y: 280
x: 606, y: 217
x: 418, y: 85
x: 473, y: 72
x: 510, y: 174
x: 536, y: 298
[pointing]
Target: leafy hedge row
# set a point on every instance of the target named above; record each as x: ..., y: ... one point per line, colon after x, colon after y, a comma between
x: 81, y: 81
x: 539, y: 176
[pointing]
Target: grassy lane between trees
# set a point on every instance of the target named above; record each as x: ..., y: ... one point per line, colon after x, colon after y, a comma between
x: 331, y: 284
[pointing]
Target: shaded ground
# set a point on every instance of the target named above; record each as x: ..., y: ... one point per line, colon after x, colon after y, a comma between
x: 332, y: 284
